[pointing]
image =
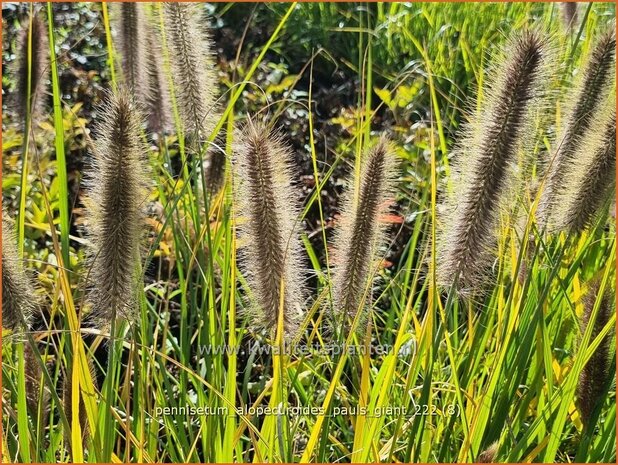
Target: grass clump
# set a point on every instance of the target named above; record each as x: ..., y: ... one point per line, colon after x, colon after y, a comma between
x: 587, y: 97
x: 18, y: 295
x: 590, y: 178
x: 500, y: 369
x: 31, y: 68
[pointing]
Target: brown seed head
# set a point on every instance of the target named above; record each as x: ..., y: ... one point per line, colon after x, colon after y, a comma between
x: 483, y: 171
x: 116, y: 197
x: 269, y: 226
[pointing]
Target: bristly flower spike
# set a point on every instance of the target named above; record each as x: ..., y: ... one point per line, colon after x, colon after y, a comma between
x: 31, y: 75
x: 361, y: 235
x: 591, y: 91
x: 269, y: 226
x: 131, y: 32
x: 568, y: 12
x: 483, y: 172
x: 117, y: 193
x: 594, y: 377
x: 195, y: 82
x: 157, y: 104
x: 194, y: 74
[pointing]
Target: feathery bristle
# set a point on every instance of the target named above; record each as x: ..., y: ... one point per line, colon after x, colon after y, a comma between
x: 131, y: 31
x: 569, y: 14
x: 117, y: 192
x: 589, y: 179
x: 487, y: 152
x: 591, y: 91
x: 194, y: 75
x: 595, y: 375
x: 362, y: 234
x: 270, y: 229
x: 39, y: 68
x: 18, y: 303
x: 157, y: 103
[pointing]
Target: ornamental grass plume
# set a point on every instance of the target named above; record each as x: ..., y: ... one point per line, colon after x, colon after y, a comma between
x: 130, y: 22
x: 31, y: 73
x: 18, y: 302
x: 483, y: 171
x: 568, y: 12
x: 589, y: 94
x: 157, y: 102
x: 596, y: 374
x: 361, y: 235
x: 590, y: 178
x: 116, y: 195
x: 195, y: 80
x: 269, y: 228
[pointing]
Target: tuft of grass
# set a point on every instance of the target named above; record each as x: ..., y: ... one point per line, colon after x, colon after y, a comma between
x: 130, y: 25
x: 595, y: 375
x: 486, y: 379
x: 488, y: 148
x: 31, y: 68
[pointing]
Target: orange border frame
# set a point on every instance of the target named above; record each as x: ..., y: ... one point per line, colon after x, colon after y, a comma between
x: 312, y: 1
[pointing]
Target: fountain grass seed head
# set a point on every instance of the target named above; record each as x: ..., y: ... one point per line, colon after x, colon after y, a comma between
x: 269, y: 225
x: 131, y: 29
x: 194, y: 76
x: 590, y: 93
x: 31, y: 73
x: 590, y: 178
x: 487, y: 152
x: 361, y: 234
x: 195, y: 80
x: 157, y: 103
x: 596, y: 374
x: 115, y: 209
x: 18, y: 294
